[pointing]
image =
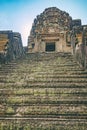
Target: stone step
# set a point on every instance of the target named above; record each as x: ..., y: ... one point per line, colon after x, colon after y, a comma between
x: 43, y: 123
x: 60, y: 76
x: 45, y: 110
x: 5, y: 77
x: 63, y: 116
x: 63, y: 99
x: 11, y: 85
x: 36, y: 69
x: 39, y: 72
x: 45, y: 80
x: 43, y: 91
x: 71, y: 72
x: 51, y: 80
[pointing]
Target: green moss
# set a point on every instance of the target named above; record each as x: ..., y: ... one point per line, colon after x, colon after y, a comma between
x: 10, y: 110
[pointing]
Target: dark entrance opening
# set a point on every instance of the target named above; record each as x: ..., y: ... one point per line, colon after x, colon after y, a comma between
x: 50, y: 47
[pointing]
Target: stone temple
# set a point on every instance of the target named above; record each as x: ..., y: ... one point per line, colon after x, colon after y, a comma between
x: 49, y: 31
x: 45, y: 89
x: 10, y: 46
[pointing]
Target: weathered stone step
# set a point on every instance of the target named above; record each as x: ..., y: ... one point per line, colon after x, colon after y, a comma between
x: 19, y: 103
x: 53, y: 54
x: 41, y: 98
x: 43, y: 73
x: 62, y: 72
x: 60, y: 76
x: 42, y: 85
x: 53, y: 116
x: 61, y: 65
x: 6, y: 81
x: 4, y: 72
x: 38, y: 76
x: 44, y: 99
x: 66, y: 105
x: 63, y: 116
x: 8, y: 65
x: 51, y: 80
x: 43, y: 91
x: 45, y: 80
x: 43, y: 124
x: 43, y: 119
x: 47, y: 109
x: 46, y: 69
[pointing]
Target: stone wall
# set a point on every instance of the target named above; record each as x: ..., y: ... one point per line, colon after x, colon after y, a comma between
x: 10, y: 46
x: 50, y: 29
x: 79, y: 44
x: 17, y: 45
x: 76, y: 22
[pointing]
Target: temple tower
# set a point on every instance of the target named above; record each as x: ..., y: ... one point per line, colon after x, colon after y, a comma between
x: 49, y: 31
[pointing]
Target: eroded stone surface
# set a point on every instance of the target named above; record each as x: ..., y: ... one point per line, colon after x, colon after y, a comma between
x: 10, y: 45
x: 54, y: 30
x: 48, y: 31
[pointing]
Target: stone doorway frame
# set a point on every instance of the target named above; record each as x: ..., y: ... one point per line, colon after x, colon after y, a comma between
x: 50, y: 47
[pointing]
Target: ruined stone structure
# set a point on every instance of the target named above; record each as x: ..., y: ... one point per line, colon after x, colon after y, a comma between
x: 49, y: 31
x: 79, y: 43
x: 54, y: 30
x: 10, y: 45
x: 45, y: 91
x: 17, y: 41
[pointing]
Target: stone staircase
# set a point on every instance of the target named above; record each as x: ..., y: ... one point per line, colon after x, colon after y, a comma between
x: 46, y: 91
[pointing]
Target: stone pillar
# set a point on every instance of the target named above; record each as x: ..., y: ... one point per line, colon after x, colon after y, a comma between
x: 36, y: 48
x: 42, y: 46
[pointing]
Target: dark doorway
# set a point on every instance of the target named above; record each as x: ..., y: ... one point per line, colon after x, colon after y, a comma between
x: 50, y: 47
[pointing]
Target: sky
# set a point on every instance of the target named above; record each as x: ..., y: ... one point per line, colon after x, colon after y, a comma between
x: 18, y: 15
